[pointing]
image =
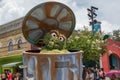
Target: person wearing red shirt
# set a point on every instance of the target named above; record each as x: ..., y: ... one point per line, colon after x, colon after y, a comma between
x: 10, y: 75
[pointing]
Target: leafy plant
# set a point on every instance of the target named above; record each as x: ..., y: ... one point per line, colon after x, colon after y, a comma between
x: 92, y: 46
x: 72, y: 43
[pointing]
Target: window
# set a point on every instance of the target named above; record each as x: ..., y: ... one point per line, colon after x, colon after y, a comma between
x: 10, y: 46
x: 114, y: 62
x: 19, y: 44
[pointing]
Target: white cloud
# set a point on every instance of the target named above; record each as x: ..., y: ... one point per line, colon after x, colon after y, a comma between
x: 107, y: 27
x: 81, y: 18
x: 108, y: 11
x: 10, y: 11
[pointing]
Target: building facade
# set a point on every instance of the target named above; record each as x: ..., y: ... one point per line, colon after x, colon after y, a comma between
x: 12, y: 43
x: 111, y: 60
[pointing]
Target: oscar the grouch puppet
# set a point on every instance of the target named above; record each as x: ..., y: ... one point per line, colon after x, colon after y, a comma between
x: 54, y: 40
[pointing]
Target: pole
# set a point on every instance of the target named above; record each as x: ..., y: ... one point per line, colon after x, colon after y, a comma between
x: 92, y: 15
x: 92, y: 21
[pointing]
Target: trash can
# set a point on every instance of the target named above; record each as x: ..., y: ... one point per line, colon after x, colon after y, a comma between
x: 55, y: 66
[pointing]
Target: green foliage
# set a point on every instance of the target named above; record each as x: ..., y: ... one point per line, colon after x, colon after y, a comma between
x: 116, y: 35
x: 92, y: 46
x: 72, y: 43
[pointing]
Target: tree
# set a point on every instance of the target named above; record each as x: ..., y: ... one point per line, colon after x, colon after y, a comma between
x: 116, y: 35
x: 92, y: 46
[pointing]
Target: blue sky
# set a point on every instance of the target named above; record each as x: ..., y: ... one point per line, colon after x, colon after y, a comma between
x: 108, y: 13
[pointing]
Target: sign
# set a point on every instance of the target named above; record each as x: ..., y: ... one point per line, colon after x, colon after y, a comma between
x: 61, y: 64
x: 97, y: 28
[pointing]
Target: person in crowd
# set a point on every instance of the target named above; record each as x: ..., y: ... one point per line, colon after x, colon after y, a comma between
x: 87, y: 74
x: 0, y: 77
x: 10, y: 75
x: 98, y: 76
x: 27, y: 78
x: 13, y: 77
x: 6, y: 74
x: 21, y: 76
x: 91, y: 74
x: 102, y: 74
x: 95, y: 73
x: 18, y: 76
x: 84, y: 73
x: 3, y: 76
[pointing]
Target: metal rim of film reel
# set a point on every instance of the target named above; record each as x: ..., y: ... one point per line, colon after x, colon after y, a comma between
x: 46, y: 17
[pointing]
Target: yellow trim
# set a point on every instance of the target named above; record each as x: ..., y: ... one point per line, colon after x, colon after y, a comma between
x: 11, y: 55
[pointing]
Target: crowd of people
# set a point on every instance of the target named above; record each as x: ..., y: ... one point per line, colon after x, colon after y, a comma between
x: 7, y: 75
x: 93, y: 73
x: 89, y: 73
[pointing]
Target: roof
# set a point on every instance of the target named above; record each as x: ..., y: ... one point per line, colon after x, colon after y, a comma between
x: 11, y: 64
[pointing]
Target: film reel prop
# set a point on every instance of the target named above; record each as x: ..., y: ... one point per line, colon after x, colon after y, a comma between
x: 42, y: 19
x: 46, y: 17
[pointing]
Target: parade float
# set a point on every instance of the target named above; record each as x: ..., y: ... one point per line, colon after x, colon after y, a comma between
x: 48, y: 26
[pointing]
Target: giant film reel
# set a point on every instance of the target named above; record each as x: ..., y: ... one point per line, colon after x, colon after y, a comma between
x: 46, y: 17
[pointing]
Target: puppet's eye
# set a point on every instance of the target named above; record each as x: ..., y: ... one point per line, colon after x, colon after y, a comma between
x: 61, y: 38
x: 53, y: 34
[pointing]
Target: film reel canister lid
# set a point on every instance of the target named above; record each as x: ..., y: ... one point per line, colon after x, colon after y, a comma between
x: 46, y: 17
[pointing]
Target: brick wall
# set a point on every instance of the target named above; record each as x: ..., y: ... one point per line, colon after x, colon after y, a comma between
x: 13, y: 35
x: 113, y: 47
